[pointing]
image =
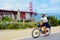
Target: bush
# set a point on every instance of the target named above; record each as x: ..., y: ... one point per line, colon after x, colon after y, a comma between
x: 28, y: 25
x: 27, y: 20
x: 58, y: 22
x: 13, y: 26
x: 16, y: 25
x: 53, y: 21
x: 6, y: 18
x: 4, y: 26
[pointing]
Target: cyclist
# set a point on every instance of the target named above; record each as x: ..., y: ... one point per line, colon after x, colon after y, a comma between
x: 45, y: 23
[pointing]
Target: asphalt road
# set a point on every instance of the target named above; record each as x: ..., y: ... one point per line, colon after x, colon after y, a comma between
x: 55, y: 36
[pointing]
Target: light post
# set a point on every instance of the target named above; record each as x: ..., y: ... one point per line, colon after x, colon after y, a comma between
x: 23, y: 22
x: 18, y: 15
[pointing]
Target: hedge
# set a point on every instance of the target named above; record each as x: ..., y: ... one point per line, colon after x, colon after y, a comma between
x: 16, y: 25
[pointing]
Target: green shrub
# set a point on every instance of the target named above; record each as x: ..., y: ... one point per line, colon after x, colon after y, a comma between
x: 53, y: 21
x: 6, y: 18
x: 13, y: 26
x: 30, y: 25
x: 27, y: 20
x: 5, y: 25
x: 58, y: 22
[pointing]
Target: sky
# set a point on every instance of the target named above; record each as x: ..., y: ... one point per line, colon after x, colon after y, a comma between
x: 39, y: 6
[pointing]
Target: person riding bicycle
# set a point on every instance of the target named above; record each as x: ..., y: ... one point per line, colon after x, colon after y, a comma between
x: 45, y: 23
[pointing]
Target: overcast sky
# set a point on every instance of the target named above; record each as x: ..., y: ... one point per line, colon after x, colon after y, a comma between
x: 40, y: 6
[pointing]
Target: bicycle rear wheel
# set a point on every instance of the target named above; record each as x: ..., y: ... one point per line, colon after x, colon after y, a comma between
x: 36, y: 33
x: 48, y: 31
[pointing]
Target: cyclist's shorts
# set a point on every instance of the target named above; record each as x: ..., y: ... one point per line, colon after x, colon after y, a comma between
x: 47, y: 25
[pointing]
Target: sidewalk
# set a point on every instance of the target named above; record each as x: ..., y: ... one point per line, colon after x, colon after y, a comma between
x: 22, y: 33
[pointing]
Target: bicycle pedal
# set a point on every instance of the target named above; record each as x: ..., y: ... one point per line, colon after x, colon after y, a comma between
x: 42, y: 32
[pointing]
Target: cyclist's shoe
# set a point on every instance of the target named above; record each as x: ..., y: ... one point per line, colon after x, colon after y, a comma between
x: 44, y: 35
x: 47, y: 35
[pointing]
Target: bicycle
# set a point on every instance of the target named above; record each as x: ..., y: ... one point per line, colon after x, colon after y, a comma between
x: 37, y: 31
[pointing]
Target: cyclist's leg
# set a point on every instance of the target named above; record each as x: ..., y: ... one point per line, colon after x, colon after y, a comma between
x: 40, y: 26
x: 44, y: 31
x: 44, y: 24
x: 48, y: 26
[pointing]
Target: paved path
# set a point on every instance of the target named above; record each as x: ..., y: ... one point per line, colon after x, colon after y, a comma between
x: 22, y: 33
x: 55, y: 36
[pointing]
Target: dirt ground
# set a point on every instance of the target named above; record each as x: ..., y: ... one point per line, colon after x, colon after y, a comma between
x: 21, y: 33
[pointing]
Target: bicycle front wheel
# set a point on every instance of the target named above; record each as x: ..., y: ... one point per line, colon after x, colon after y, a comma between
x: 36, y: 33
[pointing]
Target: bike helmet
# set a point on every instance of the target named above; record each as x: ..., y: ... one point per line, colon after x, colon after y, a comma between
x: 43, y: 14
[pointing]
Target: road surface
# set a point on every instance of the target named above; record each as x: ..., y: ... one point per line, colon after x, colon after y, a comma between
x: 55, y: 36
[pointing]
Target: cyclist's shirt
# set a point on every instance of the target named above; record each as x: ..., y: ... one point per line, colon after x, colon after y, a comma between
x: 45, y: 22
x: 44, y: 19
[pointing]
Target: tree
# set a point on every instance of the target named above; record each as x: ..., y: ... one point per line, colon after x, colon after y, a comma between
x: 52, y: 20
x: 58, y: 22
x: 6, y: 18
